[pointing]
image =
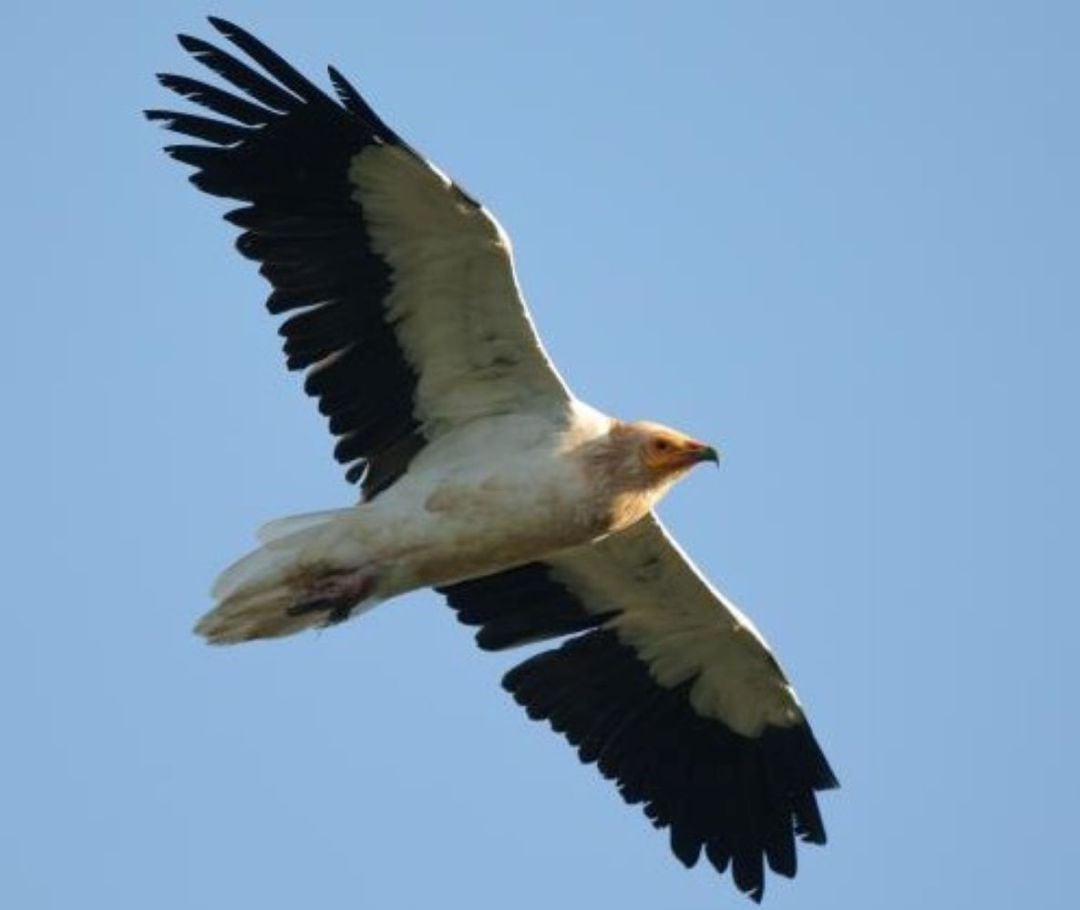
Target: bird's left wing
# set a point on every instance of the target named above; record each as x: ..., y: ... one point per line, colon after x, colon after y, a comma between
x: 674, y: 694
x: 408, y: 317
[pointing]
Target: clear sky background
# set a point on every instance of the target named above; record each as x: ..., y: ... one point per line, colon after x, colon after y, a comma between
x: 838, y: 238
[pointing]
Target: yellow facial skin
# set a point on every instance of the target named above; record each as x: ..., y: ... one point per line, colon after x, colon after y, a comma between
x: 666, y: 452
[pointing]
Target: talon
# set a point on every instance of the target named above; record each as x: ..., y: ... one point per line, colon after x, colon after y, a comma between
x: 335, y: 595
x: 339, y: 614
x: 312, y: 606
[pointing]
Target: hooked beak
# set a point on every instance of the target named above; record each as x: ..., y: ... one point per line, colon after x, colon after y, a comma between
x: 706, y: 453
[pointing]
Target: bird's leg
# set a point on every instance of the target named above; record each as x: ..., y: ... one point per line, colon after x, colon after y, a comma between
x: 335, y: 595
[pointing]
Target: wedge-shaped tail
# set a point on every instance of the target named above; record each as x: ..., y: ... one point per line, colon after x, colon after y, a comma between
x: 288, y: 584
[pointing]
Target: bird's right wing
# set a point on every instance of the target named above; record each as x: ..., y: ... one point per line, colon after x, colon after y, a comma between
x: 408, y: 318
x: 674, y: 694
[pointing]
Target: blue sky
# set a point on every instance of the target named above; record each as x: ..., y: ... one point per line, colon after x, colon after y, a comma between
x: 839, y: 239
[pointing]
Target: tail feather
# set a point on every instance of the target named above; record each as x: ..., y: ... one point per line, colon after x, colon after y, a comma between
x: 281, y: 528
x: 257, y: 569
x: 258, y: 595
x: 247, y: 617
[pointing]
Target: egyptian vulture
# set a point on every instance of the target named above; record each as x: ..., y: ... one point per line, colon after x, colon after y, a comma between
x: 482, y: 475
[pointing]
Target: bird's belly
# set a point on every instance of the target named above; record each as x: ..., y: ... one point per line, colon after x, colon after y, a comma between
x: 477, y: 527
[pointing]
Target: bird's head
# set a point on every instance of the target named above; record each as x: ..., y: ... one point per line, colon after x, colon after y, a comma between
x: 659, y: 454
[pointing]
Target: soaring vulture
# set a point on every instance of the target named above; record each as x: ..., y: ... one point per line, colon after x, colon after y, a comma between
x: 482, y: 475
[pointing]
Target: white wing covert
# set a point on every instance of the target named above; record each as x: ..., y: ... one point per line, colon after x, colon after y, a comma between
x: 408, y: 318
x: 672, y: 693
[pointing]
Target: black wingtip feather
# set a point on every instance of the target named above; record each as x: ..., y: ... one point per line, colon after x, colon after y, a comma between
x: 284, y: 147
x: 808, y: 823
x: 269, y: 60
x: 204, y: 128
x: 239, y: 74
x: 216, y: 100
x: 354, y: 102
x: 686, y: 845
x: 740, y: 799
x: 347, y: 94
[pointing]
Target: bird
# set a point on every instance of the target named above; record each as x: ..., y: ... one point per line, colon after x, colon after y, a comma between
x: 481, y: 474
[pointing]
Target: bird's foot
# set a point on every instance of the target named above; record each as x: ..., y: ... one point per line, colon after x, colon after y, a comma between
x: 335, y: 595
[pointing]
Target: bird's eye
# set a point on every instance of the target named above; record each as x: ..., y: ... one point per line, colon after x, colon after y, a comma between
x: 662, y: 445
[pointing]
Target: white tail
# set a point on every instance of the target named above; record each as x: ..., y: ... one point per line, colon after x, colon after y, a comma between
x: 284, y: 586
